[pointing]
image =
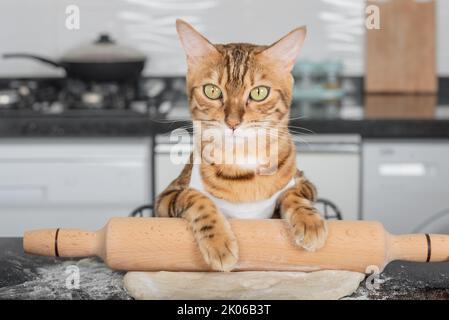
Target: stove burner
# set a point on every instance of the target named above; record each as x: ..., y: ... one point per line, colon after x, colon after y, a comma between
x: 8, y: 98
x: 57, y: 95
x: 19, y: 94
x: 81, y: 95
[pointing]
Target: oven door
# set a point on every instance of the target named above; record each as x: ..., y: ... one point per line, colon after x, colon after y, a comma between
x: 76, y: 183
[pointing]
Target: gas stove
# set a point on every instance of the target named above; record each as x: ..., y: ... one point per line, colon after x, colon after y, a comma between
x: 81, y: 95
x: 66, y: 96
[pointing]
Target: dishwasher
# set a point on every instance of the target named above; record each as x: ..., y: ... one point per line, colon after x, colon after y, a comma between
x: 405, y: 185
x: 331, y: 162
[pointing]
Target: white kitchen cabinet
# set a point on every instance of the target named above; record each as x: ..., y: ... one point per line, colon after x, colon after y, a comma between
x: 332, y: 163
x: 77, y: 183
x: 405, y: 183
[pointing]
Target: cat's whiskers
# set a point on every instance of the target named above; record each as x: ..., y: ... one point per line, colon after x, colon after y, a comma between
x: 297, y: 118
x: 301, y: 128
x: 171, y: 120
x: 286, y: 137
x: 288, y: 133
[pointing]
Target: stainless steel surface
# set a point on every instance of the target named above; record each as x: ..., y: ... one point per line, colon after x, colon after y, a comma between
x: 406, y: 182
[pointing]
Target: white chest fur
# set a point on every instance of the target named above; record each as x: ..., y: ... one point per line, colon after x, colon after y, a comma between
x: 262, y: 209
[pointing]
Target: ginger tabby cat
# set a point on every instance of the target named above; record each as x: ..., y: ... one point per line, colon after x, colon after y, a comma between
x: 234, y: 89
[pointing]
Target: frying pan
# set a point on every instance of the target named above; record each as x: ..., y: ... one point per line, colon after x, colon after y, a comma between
x: 102, y: 60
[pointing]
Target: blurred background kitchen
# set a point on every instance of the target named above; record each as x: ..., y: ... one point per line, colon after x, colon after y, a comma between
x: 84, y: 132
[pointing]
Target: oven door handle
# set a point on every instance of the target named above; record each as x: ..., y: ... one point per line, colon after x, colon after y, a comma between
x: 348, y: 148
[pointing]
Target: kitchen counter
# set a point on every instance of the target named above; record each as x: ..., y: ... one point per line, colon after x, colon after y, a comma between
x: 25, y: 276
x: 391, y: 116
x: 31, y: 277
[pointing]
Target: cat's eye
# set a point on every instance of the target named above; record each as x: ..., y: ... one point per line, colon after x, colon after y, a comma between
x: 212, y: 91
x: 259, y: 93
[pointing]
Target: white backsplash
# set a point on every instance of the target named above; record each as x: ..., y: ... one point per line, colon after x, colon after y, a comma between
x: 334, y: 29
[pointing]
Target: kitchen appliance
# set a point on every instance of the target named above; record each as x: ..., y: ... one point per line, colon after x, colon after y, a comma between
x: 98, y: 95
x: 167, y: 244
x: 401, y: 56
x: 75, y: 180
x: 65, y: 95
x: 405, y: 182
x: 71, y: 181
x: 28, y: 93
x: 103, y: 60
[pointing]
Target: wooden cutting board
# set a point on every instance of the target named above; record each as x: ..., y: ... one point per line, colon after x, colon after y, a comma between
x: 400, y: 56
x: 400, y: 106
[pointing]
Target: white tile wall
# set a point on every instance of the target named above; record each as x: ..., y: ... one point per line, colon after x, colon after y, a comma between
x: 335, y: 28
x: 443, y: 37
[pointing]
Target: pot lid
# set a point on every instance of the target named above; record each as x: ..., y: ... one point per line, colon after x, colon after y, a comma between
x: 104, y: 49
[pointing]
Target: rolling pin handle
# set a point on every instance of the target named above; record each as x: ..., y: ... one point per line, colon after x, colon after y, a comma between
x: 419, y: 247
x: 61, y: 242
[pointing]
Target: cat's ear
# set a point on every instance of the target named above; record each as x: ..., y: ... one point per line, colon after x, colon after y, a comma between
x: 195, y: 45
x: 285, y: 51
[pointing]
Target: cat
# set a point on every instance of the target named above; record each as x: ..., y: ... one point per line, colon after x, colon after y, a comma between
x: 234, y: 88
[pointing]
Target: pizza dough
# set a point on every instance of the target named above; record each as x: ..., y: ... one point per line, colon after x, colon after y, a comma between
x: 266, y: 285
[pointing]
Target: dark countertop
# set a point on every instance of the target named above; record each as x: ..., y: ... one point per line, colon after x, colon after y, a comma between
x: 32, y: 277
x: 379, y: 116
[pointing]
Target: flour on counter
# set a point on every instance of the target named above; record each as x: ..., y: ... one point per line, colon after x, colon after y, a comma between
x: 96, y: 281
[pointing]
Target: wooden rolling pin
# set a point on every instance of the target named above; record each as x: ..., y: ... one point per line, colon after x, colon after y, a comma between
x: 154, y: 244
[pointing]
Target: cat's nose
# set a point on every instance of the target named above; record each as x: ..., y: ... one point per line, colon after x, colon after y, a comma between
x: 233, y: 123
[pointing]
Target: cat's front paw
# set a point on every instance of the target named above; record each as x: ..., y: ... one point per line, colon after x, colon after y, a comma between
x: 309, y: 229
x: 218, y: 245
